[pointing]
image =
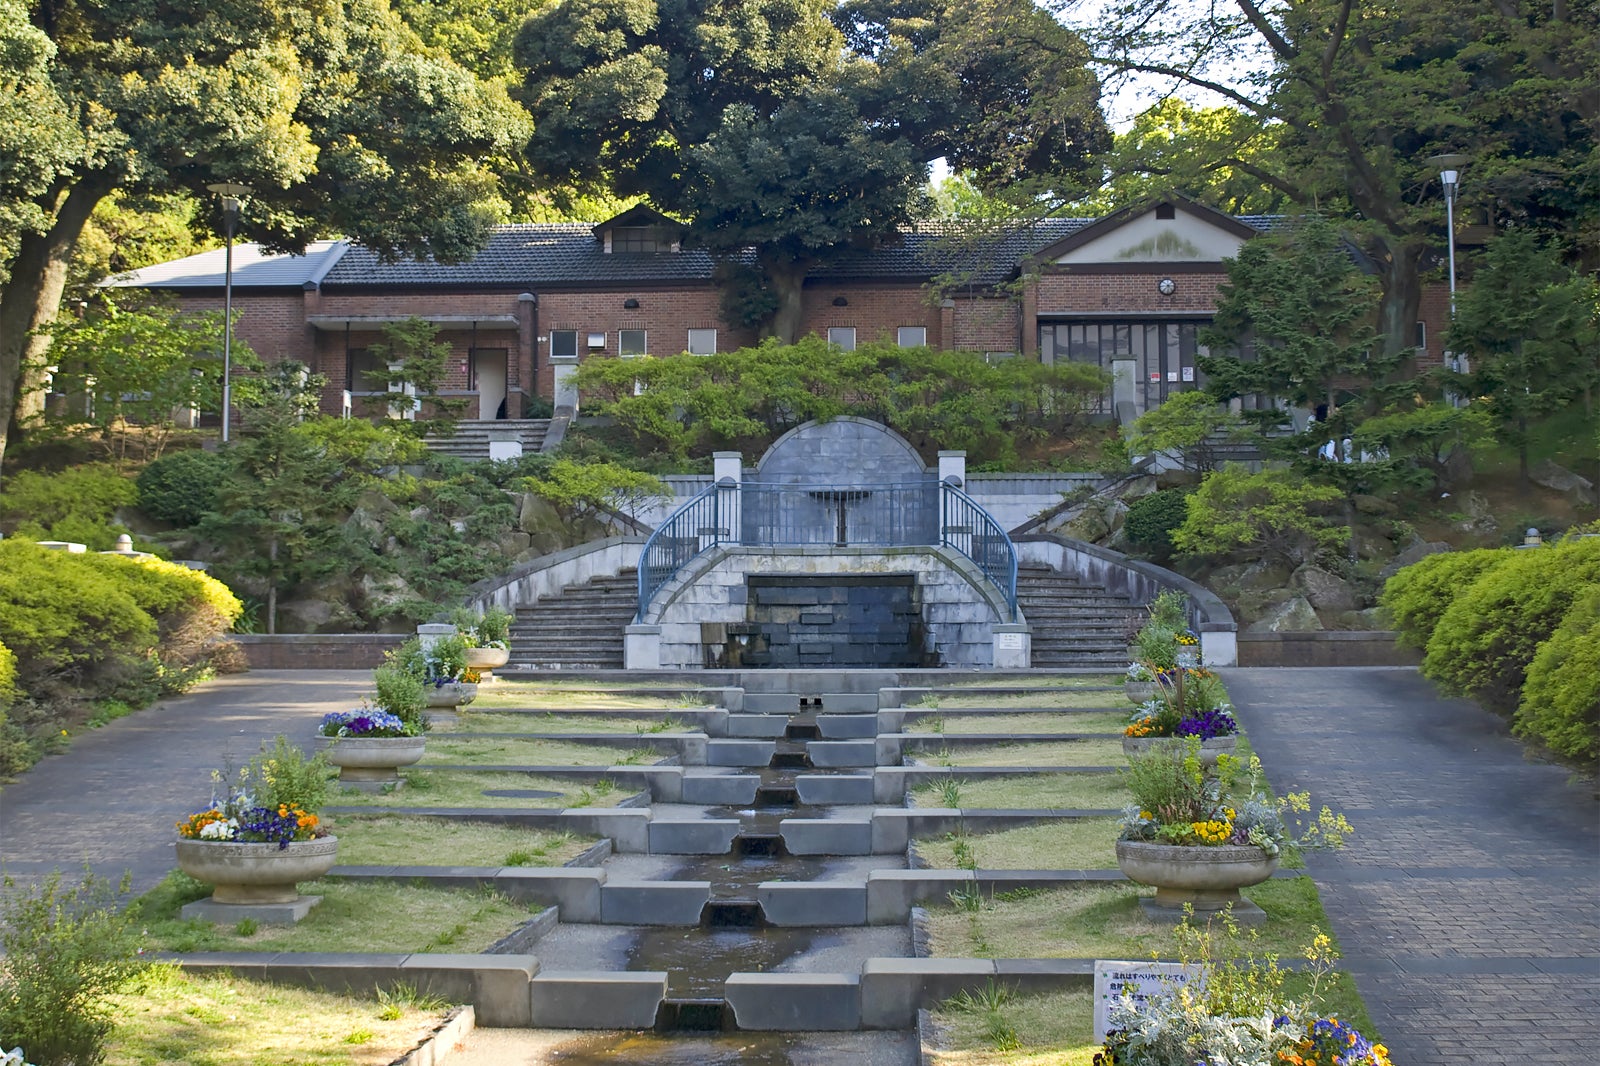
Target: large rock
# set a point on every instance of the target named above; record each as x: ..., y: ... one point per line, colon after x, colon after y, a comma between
x: 1413, y: 553
x: 1374, y: 505
x: 1251, y: 577
x: 1324, y: 591
x: 1554, y: 476
x: 315, y: 616
x: 1368, y: 619
x: 1256, y: 604
x: 379, y: 593
x: 1292, y: 616
x: 1478, y: 517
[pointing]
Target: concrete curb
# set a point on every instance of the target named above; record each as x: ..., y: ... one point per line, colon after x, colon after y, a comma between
x: 442, y: 1041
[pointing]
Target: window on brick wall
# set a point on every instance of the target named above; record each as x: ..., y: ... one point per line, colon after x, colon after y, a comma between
x: 702, y: 342
x: 631, y: 342
x: 842, y: 337
x: 564, y: 342
x: 364, y: 372
x: 638, y: 239
x: 912, y: 336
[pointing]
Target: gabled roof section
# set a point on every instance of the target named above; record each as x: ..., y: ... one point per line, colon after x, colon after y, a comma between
x: 638, y: 215
x: 253, y: 268
x: 1203, y: 234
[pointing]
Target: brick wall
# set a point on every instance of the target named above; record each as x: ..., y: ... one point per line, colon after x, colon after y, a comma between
x: 665, y: 314
x: 1128, y: 293
x: 273, y: 325
x: 876, y: 313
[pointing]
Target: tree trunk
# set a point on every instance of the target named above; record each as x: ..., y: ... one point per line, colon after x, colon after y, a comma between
x: 31, y: 298
x: 272, y: 587
x: 787, y: 277
x: 1399, y: 264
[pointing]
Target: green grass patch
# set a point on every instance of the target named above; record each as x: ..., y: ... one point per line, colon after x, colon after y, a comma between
x: 467, y: 750
x: 1073, y: 681
x: 1047, y: 791
x: 1038, y: 700
x: 545, y: 695
x: 369, y: 916
x: 396, y: 840
x: 551, y: 722
x: 1045, y: 722
x: 459, y: 788
x: 1102, y: 752
x: 217, y: 1019
x: 1079, y: 844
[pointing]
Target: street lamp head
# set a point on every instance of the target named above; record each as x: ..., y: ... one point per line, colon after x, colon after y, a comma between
x: 1448, y: 166
x: 231, y: 188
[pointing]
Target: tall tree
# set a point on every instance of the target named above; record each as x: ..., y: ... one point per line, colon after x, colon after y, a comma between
x: 800, y: 127
x: 1365, y: 93
x: 330, y: 109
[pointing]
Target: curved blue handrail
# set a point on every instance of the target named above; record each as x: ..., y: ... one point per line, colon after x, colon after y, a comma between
x: 687, y: 532
x: 974, y: 532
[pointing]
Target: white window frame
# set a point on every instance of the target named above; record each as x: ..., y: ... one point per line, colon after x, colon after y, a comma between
x: 700, y: 349
x: 921, y: 333
x: 622, y: 345
x: 842, y: 337
x: 564, y: 334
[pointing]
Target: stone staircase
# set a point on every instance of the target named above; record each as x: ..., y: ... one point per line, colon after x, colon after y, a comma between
x: 580, y: 629
x: 471, y: 438
x: 1075, y: 625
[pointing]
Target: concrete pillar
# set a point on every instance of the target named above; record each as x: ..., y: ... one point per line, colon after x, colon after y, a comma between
x: 727, y: 469
x: 1013, y: 646
x: 430, y: 633
x: 1219, y: 647
x: 1124, y: 384
x: 641, y: 647
x: 953, y: 463
x: 947, y: 326
x: 952, y: 530
x: 523, y: 375
x: 566, y: 394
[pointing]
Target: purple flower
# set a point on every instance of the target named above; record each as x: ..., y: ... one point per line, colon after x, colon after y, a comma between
x: 1207, y: 724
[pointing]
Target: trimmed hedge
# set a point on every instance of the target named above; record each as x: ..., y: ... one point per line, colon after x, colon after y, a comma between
x: 1485, y: 641
x: 1561, y: 700
x: 1418, y: 596
x: 1151, y: 520
x: 8, y: 676
x: 77, y: 504
x: 180, y: 488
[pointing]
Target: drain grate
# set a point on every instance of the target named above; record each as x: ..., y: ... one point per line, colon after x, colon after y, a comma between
x: 693, y: 1016
x: 777, y: 796
x: 750, y: 845
x: 732, y: 914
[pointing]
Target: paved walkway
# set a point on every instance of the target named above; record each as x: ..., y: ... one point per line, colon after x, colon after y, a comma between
x: 1468, y: 901
x: 111, y: 799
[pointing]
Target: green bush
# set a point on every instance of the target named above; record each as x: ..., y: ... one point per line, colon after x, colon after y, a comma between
x: 1485, y: 641
x: 68, y: 949
x: 1151, y: 520
x: 1561, y: 699
x: 60, y: 614
x: 181, y: 487
x: 1418, y: 595
x: 1272, y: 513
x: 77, y: 504
x: 8, y: 676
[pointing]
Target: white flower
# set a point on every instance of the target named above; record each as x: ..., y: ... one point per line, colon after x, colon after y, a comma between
x: 217, y: 831
x: 14, y: 1057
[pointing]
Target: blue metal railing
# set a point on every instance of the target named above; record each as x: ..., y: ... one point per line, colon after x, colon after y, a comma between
x: 886, y: 514
x: 973, y: 532
x: 690, y: 530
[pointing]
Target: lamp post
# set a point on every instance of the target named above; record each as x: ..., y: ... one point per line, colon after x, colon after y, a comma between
x: 1450, y: 177
x: 230, y: 193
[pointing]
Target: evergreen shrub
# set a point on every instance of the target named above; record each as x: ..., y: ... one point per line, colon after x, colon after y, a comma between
x: 77, y: 504
x: 1151, y: 520
x: 1560, y: 705
x: 62, y: 615
x: 1418, y: 595
x: 181, y: 487
x: 1487, y: 638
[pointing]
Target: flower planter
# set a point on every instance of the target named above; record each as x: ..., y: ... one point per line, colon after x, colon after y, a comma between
x: 373, y: 761
x: 1139, y: 691
x: 487, y: 658
x: 1206, y: 878
x: 1209, y: 749
x: 254, y: 874
x: 451, y: 695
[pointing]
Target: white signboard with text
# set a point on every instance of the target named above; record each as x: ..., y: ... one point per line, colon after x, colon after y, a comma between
x: 1140, y: 980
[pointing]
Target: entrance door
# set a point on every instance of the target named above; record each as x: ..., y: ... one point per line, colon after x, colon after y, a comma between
x: 489, y: 381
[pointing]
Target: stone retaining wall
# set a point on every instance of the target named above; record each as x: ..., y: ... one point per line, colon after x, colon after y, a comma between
x: 1325, y: 648
x: 316, y: 651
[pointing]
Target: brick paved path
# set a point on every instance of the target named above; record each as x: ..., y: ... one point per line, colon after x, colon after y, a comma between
x: 111, y: 800
x: 1468, y: 902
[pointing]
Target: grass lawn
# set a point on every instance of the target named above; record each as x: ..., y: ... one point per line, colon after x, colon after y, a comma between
x: 364, y: 917
x: 551, y: 722
x: 397, y: 840
x: 1081, y: 844
x: 446, y: 788
x: 1046, y: 722
x: 1084, y: 681
x: 1038, y: 700
x: 1049, y: 791
x: 1104, y: 752
x: 545, y: 695
x: 466, y: 750
x: 215, y: 1019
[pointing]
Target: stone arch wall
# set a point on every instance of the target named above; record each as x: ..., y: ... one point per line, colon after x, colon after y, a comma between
x: 846, y: 450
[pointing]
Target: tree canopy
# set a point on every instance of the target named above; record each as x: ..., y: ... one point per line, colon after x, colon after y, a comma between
x: 331, y: 110
x: 799, y: 127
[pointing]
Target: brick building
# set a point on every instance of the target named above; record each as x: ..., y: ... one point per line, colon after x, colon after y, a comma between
x: 1127, y: 292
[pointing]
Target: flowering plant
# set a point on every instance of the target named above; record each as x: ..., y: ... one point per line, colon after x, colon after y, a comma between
x: 442, y: 664
x: 1330, y: 1042
x: 1190, y: 703
x: 491, y: 629
x: 366, y: 722
x: 1140, y: 672
x: 271, y: 801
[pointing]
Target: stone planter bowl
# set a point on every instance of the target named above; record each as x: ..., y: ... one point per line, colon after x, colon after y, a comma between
x: 1139, y: 691
x: 256, y: 873
x: 487, y: 658
x: 1206, y: 878
x: 1209, y: 749
x: 452, y: 695
x: 373, y: 760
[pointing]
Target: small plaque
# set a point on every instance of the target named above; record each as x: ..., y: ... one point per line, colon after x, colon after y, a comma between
x: 1008, y: 641
x: 1140, y: 980
x: 1155, y: 376
x: 1172, y: 375
x: 1188, y: 373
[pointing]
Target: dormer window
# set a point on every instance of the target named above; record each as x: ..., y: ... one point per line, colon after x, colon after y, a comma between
x: 638, y: 239
x: 1166, y: 211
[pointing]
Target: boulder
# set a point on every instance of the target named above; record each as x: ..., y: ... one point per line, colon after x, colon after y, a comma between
x: 1139, y: 486
x: 315, y: 616
x: 1374, y: 505
x: 514, y: 543
x: 1419, y: 550
x: 1251, y: 577
x: 379, y: 593
x: 1324, y: 591
x: 1256, y: 605
x: 1177, y: 478
x: 1554, y: 476
x: 1478, y: 518
x: 1090, y: 525
x: 1368, y: 619
x: 1292, y: 616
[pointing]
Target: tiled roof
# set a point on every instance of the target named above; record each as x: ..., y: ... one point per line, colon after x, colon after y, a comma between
x: 251, y: 269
